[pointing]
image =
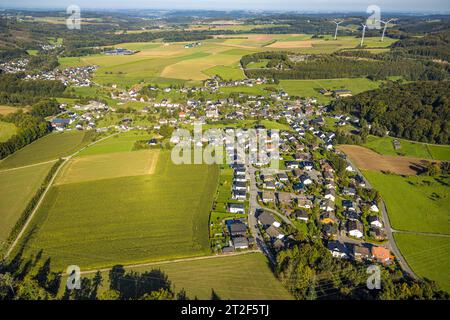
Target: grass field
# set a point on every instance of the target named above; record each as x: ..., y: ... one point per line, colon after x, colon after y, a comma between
x: 17, y: 187
x: 108, y: 166
x: 414, y: 203
x: 226, y: 72
x: 49, y: 147
x: 311, y: 88
x: 427, y: 256
x: 383, y: 145
x: 7, y: 130
x: 122, y: 142
x: 244, y: 277
x: 127, y: 220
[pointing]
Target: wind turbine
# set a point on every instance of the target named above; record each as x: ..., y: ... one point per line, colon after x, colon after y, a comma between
x: 337, y: 27
x: 385, y: 26
x: 363, y: 33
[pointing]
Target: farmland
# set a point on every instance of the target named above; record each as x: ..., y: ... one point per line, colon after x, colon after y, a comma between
x: 172, y: 63
x: 384, y: 145
x: 127, y: 220
x: 367, y: 159
x: 226, y: 275
x: 108, y: 166
x: 422, y: 206
x: 17, y: 187
x: 50, y: 147
x: 427, y: 256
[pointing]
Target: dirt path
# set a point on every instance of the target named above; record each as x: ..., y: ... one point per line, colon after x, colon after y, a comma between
x: 28, y: 166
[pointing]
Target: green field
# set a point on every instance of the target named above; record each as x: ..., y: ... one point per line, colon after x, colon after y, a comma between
x: 7, y: 130
x: 17, y: 187
x: 311, y: 88
x: 127, y: 220
x: 226, y: 72
x: 427, y: 256
x: 122, y: 142
x: 414, y: 203
x: 383, y: 145
x: 244, y: 277
x: 49, y: 147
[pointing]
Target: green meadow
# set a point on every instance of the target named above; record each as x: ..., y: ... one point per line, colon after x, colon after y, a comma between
x: 414, y: 203
x: 384, y: 145
x: 126, y: 220
x: 427, y: 256
x: 17, y: 187
x: 49, y: 147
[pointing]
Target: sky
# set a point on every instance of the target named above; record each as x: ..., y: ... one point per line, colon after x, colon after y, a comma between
x: 417, y: 6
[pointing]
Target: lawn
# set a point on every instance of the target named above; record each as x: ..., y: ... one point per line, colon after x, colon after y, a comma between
x: 311, y: 88
x: 383, y: 145
x: 7, y: 130
x: 49, y: 147
x: 17, y: 187
x: 427, y: 256
x: 127, y: 220
x: 414, y: 203
x: 244, y: 277
x: 108, y: 166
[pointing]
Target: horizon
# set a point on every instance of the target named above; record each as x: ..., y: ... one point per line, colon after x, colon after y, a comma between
x: 332, y: 6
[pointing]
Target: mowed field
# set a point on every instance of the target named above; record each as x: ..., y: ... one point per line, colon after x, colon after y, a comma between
x: 126, y: 220
x: 17, y: 187
x: 367, y: 159
x: 49, y: 147
x: 428, y: 256
x: 108, y: 166
x: 384, y: 145
x: 243, y: 277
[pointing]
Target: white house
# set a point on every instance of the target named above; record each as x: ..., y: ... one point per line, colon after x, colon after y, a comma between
x: 236, y: 208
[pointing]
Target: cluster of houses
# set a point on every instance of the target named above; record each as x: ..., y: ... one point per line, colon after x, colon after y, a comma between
x: 359, y: 252
x: 216, y: 83
x: 272, y: 229
x: 14, y: 66
x: 77, y: 77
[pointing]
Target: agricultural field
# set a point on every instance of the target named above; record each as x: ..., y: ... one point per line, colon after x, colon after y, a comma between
x: 4, y: 110
x: 126, y: 220
x: 311, y: 88
x: 226, y: 72
x: 384, y: 145
x: 108, y: 166
x: 243, y: 277
x: 7, y: 130
x: 414, y: 203
x: 427, y: 256
x: 49, y: 147
x: 17, y: 187
x: 366, y: 159
x: 122, y: 142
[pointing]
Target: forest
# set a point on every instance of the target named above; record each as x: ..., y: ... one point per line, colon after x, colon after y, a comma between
x: 415, y: 111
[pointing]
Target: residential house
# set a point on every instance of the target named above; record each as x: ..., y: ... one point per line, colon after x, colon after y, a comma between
x: 274, y: 233
x: 237, y: 228
x: 239, y: 185
x: 284, y: 198
x: 330, y: 194
x: 301, y: 215
x: 361, y: 253
x: 306, y: 179
x: 282, y: 177
x: 304, y: 202
x: 327, y: 217
x: 355, y: 229
x: 267, y: 196
x: 236, y: 208
x: 337, y: 249
x: 266, y: 219
x: 240, y: 243
x: 240, y: 195
x: 375, y: 221
x: 381, y: 254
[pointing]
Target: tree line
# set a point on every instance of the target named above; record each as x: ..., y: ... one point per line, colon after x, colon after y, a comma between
x: 416, y: 111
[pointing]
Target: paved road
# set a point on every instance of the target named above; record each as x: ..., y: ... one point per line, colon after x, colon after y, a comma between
x: 252, y: 221
x: 389, y: 231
